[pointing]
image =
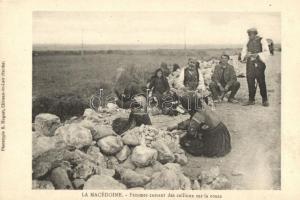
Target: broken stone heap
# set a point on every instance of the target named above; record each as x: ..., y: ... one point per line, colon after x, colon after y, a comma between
x: 85, y: 153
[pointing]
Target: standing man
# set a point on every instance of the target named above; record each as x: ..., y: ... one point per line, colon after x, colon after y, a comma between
x: 224, y: 80
x: 255, y: 53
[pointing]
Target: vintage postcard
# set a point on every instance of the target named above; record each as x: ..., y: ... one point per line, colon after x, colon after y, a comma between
x: 149, y: 100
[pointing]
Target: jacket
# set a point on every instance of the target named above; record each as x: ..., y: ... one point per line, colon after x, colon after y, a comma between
x: 229, y: 74
x: 180, y: 81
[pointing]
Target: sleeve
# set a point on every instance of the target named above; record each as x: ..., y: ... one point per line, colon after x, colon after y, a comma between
x: 232, y: 76
x: 265, y: 51
x: 201, y: 85
x: 214, y: 76
x: 180, y: 79
x: 244, y: 51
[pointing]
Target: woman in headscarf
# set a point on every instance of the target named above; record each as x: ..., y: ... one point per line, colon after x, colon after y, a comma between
x: 159, y: 86
x: 133, y: 98
x: 206, y: 133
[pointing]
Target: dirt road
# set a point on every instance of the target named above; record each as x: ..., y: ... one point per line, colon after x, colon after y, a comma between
x: 254, y: 162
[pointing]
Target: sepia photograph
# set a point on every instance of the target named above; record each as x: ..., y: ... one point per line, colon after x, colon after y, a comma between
x: 156, y: 100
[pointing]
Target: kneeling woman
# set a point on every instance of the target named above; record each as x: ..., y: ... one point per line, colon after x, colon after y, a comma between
x: 133, y: 98
x: 206, y: 134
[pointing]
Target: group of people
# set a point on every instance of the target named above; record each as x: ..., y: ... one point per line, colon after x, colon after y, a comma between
x: 206, y: 134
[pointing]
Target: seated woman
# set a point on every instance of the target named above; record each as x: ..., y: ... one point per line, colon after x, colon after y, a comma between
x: 159, y: 86
x: 206, y: 134
x: 133, y: 98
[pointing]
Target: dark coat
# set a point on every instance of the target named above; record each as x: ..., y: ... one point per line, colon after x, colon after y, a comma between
x: 159, y: 85
x: 229, y: 74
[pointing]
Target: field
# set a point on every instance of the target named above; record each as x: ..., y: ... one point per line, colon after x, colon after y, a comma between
x: 254, y: 162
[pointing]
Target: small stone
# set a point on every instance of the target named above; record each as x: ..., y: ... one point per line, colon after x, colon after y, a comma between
x: 42, y: 185
x: 112, y: 162
x: 221, y: 183
x: 143, y: 156
x: 123, y: 154
x: 103, y: 182
x: 110, y: 145
x: 236, y: 173
x: 46, y: 123
x: 196, y: 185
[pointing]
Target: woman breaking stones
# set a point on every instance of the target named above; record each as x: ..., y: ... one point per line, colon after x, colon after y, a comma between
x: 133, y: 98
x: 206, y: 134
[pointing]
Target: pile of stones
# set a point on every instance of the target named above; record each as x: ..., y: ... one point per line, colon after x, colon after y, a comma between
x: 85, y: 153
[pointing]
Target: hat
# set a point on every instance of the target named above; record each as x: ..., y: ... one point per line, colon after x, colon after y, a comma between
x: 252, y: 30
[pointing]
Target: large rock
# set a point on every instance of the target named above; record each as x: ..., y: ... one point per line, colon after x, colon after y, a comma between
x: 78, y: 183
x: 165, y: 155
x: 143, y: 156
x: 146, y: 171
x: 101, y: 131
x: 42, y: 185
x: 123, y: 154
x: 128, y: 164
x: 133, y: 179
x: 92, y: 115
x: 84, y: 170
x: 98, y: 157
x: 60, y: 179
x: 131, y: 138
x: 42, y: 144
x: 57, y: 158
x: 164, y: 180
x: 47, y: 161
x: 110, y: 145
x: 185, y: 182
x: 46, y: 123
x: 181, y: 158
x: 75, y: 135
x: 103, y: 182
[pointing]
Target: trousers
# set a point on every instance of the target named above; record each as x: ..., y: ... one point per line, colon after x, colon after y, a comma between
x: 255, y: 70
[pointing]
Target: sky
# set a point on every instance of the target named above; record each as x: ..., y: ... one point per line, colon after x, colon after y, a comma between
x: 152, y: 27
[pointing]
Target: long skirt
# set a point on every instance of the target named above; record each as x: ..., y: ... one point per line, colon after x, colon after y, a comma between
x: 214, y: 142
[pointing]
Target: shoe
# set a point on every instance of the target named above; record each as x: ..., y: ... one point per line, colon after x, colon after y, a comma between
x: 232, y: 100
x: 249, y: 103
x: 265, y: 103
